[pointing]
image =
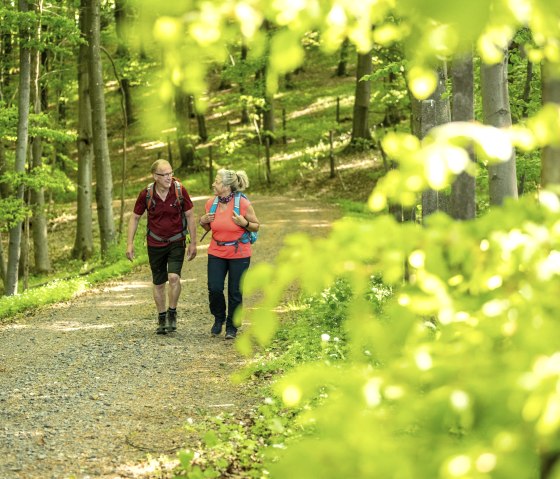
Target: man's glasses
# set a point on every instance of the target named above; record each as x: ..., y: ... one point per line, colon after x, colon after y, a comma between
x: 165, y: 174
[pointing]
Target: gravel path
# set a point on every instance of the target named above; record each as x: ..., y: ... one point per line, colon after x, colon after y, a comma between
x: 88, y: 390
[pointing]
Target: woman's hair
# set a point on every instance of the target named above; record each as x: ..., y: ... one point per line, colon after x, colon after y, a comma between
x: 156, y: 164
x: 236, y: 180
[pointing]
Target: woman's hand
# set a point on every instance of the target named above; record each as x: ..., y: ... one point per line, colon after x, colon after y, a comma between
x: 207, y: 218
x: 239, y: 220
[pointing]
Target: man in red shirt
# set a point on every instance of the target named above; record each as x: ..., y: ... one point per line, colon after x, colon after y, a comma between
x: 170, y: 214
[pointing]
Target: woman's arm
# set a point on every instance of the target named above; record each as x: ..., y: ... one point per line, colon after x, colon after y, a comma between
x: 249, y: 220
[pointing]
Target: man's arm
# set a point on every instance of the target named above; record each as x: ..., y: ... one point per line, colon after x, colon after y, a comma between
x: 132, y: 227
x: 191, y: 225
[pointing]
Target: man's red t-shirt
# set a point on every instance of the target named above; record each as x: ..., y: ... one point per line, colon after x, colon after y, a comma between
x: 164, y: 217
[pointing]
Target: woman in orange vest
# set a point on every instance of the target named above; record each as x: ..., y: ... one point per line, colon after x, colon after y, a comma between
x: 227, y: 255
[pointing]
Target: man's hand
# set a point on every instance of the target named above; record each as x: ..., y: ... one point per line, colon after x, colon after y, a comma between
x: 191, y: 252
x: 130, y: 252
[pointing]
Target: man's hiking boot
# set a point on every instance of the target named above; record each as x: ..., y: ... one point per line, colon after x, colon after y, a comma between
x: 217, y: 328
x: 162, y: 325
x: 172, y: 321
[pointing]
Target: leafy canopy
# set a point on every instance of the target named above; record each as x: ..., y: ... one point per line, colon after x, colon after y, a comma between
x: 194, y: 34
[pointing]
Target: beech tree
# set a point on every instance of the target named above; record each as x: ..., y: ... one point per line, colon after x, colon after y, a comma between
x: 83, y: 244
x: 343, y: 59
x: 40, y: 239
x: 360, y: 117
x: 550, y: 171
x: 463, y: 200
x: 183, y: 121
x: 502, y: 178
x: 244, y: 112
x: 5, y: 53
x: 122, y: 18
x: 427, y: 114
x: 103, y: 174
x: 24, y: 92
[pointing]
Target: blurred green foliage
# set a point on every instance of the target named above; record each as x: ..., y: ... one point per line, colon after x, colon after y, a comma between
x: 458, y: 365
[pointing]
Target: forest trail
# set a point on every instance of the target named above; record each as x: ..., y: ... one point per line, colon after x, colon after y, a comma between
x: 88, y: 390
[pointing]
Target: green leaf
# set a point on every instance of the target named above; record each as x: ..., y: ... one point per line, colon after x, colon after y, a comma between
x: 210, y: 439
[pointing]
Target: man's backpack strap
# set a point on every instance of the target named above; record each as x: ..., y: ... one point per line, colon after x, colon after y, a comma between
x: 180, y: 200
x: 150, y: 196
x: 150, y: 201
x: 179, y: 192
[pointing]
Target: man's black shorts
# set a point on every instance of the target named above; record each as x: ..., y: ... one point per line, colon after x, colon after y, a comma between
x: 166, y: 259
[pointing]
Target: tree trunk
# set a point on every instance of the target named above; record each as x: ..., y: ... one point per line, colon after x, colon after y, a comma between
x: 392, y: 116
x: 45, y: 68
x: 527, y: 87
x: 343, y: 60
x: 360, y: 120
x: 182, y: 115
x: 225, y: 83
x: 103, y: 175
x: 463, y: 197
x: 40, y: 239
x: 5, y: 52
x: 83, y: 244
x: 7, y: 49
x: 125, y: 91
x: 121, y: 20
x: 2, y: 262
x: 4, y: 187
x: 268, y: 119
x: 427, y: 114
x: 289, y: 83
x: 502, y: 177
x: 25, y: 243
x: 202, y: 131
x: 550, y: 170
x: 14, y: 246
x: 244, y: 113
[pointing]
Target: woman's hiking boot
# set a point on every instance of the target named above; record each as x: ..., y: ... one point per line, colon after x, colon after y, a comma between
x: 171, y: 320
x: 217, y: 328
x: 231, y: 330
x: 162, y: 323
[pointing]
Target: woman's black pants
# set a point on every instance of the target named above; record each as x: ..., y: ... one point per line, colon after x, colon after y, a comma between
x: 218, y: 269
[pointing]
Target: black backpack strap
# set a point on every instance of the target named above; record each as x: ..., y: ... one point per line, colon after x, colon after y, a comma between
x: 180, y: 200
x: 150, y: 196
x: 179, y: 192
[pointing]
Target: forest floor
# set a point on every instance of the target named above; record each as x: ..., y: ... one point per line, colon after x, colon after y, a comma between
x: 88, y: 390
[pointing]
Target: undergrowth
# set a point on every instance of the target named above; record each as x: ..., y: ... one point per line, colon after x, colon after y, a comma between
x: 229, y: 445
x: 114, y: 265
